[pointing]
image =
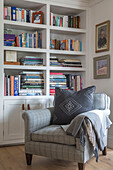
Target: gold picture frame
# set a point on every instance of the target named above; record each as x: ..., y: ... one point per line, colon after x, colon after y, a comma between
x: 102, y: 36
x: 101, y: 67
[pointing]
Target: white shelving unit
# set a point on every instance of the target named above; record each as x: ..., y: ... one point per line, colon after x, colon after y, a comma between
x: 8, y: 132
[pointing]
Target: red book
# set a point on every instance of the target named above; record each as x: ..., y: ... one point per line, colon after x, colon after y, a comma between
x: 17, y: 41
x: 75, y: 83
x: 5, y: 87
x: 56, y: 73
x: 50, y: 18
x: 52, y: 90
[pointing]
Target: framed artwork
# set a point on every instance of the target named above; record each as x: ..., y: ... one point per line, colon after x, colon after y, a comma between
x: 37, y: 17
x: 102, y: 67
x: 102, y: 33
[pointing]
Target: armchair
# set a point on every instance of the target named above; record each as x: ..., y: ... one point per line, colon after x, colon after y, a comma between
x: 44, y: 139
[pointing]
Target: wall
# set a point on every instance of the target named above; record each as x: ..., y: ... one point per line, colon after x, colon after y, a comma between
x: 97, y: 14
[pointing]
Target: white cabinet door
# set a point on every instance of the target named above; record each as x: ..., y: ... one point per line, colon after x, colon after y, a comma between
x: 36, y: 104
x: 13, y: 122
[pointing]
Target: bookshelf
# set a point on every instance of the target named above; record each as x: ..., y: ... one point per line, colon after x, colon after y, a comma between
x: 49, y: 32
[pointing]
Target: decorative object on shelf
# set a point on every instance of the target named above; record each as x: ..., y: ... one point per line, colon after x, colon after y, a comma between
x: 37, y: 17
x: 101, y: 67
x: 102, y: 36
x: 10, y: 56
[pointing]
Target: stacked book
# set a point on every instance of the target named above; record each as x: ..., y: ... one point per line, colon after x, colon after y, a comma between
x: 64, y: 21
x: 31, y: 61
x: 74, y: 82
x: 54, y: 61
x: 68, y: 44
x: 25, y: 84
x: 57, y: 80
x: 18, y: 14
x: 32, y: 83
x: 70, y: 63
x: 29, y: 40
x: 9, y: 40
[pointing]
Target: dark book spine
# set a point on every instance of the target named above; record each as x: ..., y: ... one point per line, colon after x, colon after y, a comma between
x: 69, y: 21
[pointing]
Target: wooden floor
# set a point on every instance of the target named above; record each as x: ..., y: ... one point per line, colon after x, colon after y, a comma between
x: 12, y: 158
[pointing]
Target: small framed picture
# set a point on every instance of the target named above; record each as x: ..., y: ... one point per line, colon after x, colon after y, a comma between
x: 37, y: 17
x: 102, y: 36
x: 102, y: 67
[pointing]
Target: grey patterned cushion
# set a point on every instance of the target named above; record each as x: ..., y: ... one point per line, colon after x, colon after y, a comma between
x: 53, y: 134
x: 69, y: 104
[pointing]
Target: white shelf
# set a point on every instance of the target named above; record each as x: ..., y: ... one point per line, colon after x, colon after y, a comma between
x: 67, y: 69
x: 25, y: 97
x: 21, y: 67
x: 67, y: 52
x: 66, y: 30
x: 23, y: 25
x: 37, y: 50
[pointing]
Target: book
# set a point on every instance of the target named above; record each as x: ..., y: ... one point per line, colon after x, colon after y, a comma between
x: 13, y: 13
x: 12, y: 85
x: 16, y: 85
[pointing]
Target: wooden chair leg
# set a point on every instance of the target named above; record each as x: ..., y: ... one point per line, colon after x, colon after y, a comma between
x: 28, y: 159
x: 104, y: 152
x: 81, y: 166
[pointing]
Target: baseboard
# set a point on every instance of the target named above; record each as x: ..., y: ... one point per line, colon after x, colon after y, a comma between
x: 110, y: 141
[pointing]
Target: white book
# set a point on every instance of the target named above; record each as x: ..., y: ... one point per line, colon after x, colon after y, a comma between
x: 66, y: 21
x: 9, y: 12
x: 78, y: 83
x: 51, y: 19
x: 17, y: 18
x: 19, y: 14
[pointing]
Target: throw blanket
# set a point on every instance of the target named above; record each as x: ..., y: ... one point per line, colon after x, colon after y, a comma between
x: 94, y: 123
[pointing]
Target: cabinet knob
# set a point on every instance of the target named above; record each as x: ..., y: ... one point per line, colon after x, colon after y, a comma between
x: 28, y: 107
x: 23, y: 107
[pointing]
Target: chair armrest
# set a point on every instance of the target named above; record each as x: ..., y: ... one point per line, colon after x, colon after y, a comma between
x: 36, y: 119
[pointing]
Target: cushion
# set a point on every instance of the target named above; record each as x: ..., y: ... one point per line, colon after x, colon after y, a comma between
x: 53, y: 134
x: 69, y: 104
x: 100, y: 101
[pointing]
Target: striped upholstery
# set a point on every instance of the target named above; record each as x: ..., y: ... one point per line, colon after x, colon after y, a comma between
x: 53, y: 134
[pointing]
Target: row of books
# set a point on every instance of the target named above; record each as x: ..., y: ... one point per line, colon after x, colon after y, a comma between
x: 54, y: 61
x: 26, y: 40
x: 19, y: 14
x: 65, y: 81
x: 27, y: 83
x: 70, y: 45
x: 31, y: 61
x: 64, y: 21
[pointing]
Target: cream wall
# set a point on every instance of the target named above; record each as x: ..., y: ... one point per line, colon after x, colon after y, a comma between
x: 97, y: 14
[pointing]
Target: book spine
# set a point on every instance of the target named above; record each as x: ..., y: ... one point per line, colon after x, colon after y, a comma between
x: 29, y: 40
x: 9, y: 85
x: 12, y: 85
x: 23, y: 39
x: 69, y: 21
x: 16, y: 86
x: 27, y: 15
x: 20, y: 40
x: 22, y: 17
x: 9, y: 12
x: 5, y: 81
x: 17, y: 41
x: 5, y: 12
x: 17, y: 14
x: 13, y: 13
x: 51, y: 19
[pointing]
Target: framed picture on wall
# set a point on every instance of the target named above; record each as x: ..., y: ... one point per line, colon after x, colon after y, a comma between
x: 102, y: 67
x: 102, y: 35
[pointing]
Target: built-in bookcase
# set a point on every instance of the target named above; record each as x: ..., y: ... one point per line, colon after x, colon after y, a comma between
x: 48, y: 32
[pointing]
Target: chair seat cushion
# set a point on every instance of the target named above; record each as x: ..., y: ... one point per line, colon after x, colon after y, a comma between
x: 53, y: 134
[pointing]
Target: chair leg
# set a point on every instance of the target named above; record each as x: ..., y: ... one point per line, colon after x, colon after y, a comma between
x: 104, y: 152
x: 81, y: 166
x: 28, y: 159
